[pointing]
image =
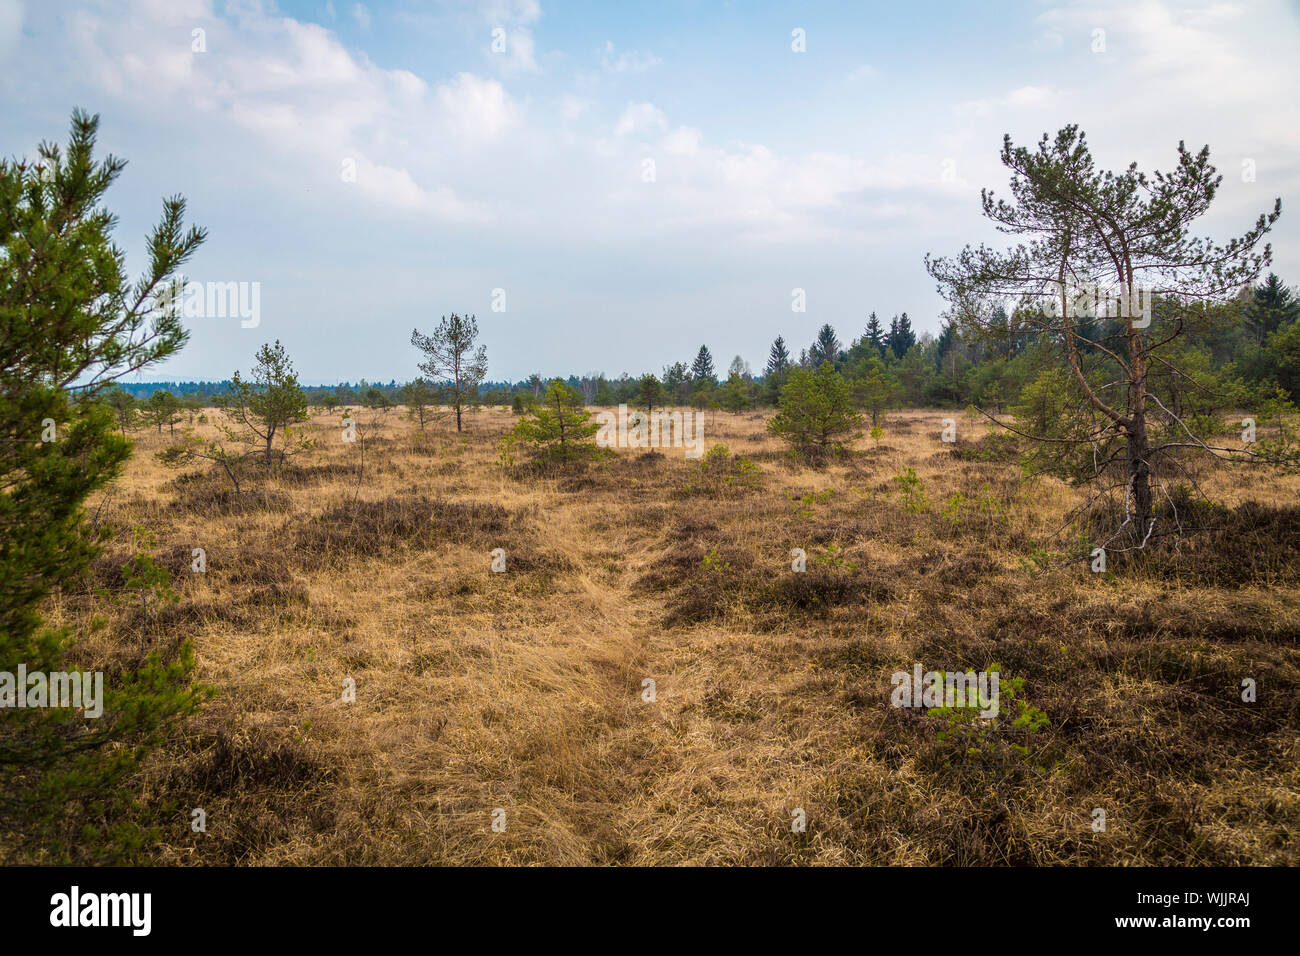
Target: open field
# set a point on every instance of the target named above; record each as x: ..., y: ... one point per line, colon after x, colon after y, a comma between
x: 523, y: 690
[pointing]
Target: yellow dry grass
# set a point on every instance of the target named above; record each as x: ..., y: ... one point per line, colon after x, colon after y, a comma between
x: 523, y: 691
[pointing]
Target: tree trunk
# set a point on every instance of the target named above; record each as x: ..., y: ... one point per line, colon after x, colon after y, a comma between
x: 230, y: 473
x: 1139, y: 473
x: 1139, y: 445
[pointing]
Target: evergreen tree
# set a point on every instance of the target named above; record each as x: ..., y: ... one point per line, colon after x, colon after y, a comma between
x: 71, y: 324
x: 419, y: 395
x: 1271, y: 306
x: 947, y: 340
x: 650, y: 392
x: 875, y: 334
x: 677, y: 382
x: 604, y: 392
x: 735, y: 394
x: 825, y: 348
x: 876, y: 390
x: 816, y: 414
x: 900, y: 337
x: 123, y: 405
x: 452, y: 359
x: 778, y: 359
x: 163, y: 408
x: 267, y: 403
x: 560, y: 426
x: 1073, y: 218
x: 702, y: 370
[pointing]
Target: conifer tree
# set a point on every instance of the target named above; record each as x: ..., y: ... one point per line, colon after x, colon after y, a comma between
x: 1096, y: 238
x: 560, y: 426
x: 702, y: 370
x: 825, y: 348
x: 452, y: 360
x: 875, y: 334
x: 72, y: 324
x: 778, y: 359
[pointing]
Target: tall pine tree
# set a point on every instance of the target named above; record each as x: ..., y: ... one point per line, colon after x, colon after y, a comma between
x: 875, y: 334
x: 900, y: 337
x: 825, y: 348
x: 778, y: 359
x: 702, y: 370
x: 1271, y: 306
x: 71, y: 324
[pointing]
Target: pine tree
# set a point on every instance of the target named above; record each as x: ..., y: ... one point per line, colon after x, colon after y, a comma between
x: 702, y: 370
x: 268, y: 402
x: 900, y: 337
x: 816, y: 414
x: 72, y: 324
x: 1114, y: 230
x: 677, y: 382
x: 825, y: 348
x: 560, y: 426
x: 649, y: 391
x: 875, y: 335
x: 735, y: 394
x: 163, y: 408
x: 876, y: 389
x: 778, y: 359
x: 947, y: 340
x: 1271, y: 306
x: 419, y: 395
x: 453, y: 360
x: 123, y: 405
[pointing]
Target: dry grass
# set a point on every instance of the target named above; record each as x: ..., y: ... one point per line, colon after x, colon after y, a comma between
x: 522, y: 690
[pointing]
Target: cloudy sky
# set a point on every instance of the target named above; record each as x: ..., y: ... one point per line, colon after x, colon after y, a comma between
x: 636, y: 181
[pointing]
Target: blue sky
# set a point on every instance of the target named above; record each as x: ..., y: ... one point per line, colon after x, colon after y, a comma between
x: 833, y: 170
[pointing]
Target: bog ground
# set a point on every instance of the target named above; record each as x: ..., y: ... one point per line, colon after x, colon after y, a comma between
x: 524, y: 691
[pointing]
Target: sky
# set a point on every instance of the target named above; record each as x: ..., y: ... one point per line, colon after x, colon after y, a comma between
x: 607, y: 186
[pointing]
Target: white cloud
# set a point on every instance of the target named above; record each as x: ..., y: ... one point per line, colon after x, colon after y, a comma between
x: 683, y: 141
x: 1024, y: 97
x: 629, y: 61
x: 1179, y: 48
x: 306, y: 97
x: 641, y: 118
x: 476, y: 108
x: 394, y: 189
x: 572, y: 107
